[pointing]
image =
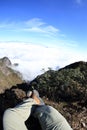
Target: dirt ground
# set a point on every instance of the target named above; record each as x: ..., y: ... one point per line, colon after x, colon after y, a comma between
x: 75, y: 112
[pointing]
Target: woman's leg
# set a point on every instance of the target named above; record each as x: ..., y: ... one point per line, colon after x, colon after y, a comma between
x: 13, y: 121
x: 51, y: 119
x: 14, y: 118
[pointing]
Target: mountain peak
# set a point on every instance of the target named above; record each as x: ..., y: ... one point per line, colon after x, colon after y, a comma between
x: 5, y: 61
x: 76, y: 65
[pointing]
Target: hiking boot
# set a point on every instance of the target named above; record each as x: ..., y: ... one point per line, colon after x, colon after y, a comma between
x: 36, y: 98
x: 29, y: 93
x: 35, y: 95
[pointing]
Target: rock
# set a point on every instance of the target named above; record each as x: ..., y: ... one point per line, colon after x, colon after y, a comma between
x: 83, y: 124
x: 5, y: 61
x: 16, y: 64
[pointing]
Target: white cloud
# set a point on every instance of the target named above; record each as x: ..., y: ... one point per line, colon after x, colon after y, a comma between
x: 79, y: 2
x: 33, y: 58
x: 36, y: 25
x: 33, y: 25
x: 44, y: 30
x: 35, y: 22
x: 50, y: 29
x: 34, y: 29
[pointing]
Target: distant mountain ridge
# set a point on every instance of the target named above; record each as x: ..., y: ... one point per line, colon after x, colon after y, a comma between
x: 5, y: 61
x: 80, y: 64
x: 8, y: 77
x: 65, y: 89
x: 68, y: 83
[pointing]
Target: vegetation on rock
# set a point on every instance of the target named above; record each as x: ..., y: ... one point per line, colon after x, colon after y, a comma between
x: 66, y: 84
x: 8, y: 77
x: 65, y: 89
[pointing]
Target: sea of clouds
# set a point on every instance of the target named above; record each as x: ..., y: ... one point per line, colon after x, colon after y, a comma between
x: 34, y: 59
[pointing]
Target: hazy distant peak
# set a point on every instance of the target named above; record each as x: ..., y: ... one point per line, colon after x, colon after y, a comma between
x: 5, y: 61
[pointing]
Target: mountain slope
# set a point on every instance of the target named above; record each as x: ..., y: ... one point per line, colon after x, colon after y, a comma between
x: 67, y: 84
x: 65, y: 90
x: 8, y: 77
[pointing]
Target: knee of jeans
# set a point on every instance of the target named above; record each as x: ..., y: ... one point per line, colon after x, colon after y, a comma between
x: 6, y: 114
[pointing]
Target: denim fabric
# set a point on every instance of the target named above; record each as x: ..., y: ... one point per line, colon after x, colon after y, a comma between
x: 14, y: 118
x: 51, y: 119
x: 13, y: 121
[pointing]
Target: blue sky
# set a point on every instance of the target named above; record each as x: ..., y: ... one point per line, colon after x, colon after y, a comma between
x: 44, y: 21
x: 43, y: 33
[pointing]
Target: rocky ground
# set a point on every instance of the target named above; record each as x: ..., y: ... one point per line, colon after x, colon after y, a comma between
x: 74, y: 112
x: 65, y: 90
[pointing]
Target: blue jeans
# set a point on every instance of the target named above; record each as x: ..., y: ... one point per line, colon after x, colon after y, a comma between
x: 14, y: 118
x: 49, y: 118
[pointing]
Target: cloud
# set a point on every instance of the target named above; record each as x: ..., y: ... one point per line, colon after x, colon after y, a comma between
x: 34, y: 25
x: 51, y: 29
x: 44, y: 30
x: 35, y: 22
x: 79, y: 2
x: 33, y: 58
